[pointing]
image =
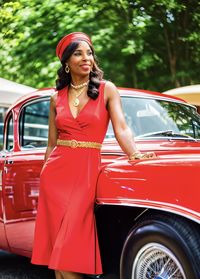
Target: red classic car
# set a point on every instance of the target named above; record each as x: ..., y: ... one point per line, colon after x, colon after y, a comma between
x: 148, y: 212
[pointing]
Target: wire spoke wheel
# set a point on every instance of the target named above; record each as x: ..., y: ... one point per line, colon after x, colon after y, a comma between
x: 161, y: 246
x: 155, y: 261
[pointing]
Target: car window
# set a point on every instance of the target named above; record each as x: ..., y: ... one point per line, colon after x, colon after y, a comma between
x: 9, y: 134
x: 34, y: 124
x: 146, y: 116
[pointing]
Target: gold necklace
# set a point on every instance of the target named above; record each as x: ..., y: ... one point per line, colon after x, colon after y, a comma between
x: 79, y: 86
x: 76, y: 100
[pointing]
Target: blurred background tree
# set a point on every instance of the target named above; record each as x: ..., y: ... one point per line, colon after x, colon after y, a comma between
x: 146, y: 44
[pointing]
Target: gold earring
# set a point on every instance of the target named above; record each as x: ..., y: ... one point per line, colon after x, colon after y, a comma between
x: 67, y: 69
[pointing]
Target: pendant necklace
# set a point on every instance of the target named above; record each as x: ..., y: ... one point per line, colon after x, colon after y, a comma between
x: 76, y: 87
x: 76, y: 100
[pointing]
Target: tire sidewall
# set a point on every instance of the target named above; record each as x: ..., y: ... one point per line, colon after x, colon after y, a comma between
x: 155, y: 233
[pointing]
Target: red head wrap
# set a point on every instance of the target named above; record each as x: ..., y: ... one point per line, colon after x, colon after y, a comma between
x: 68, y: 39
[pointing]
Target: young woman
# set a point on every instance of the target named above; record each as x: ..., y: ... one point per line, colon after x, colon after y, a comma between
x: 65, y: 233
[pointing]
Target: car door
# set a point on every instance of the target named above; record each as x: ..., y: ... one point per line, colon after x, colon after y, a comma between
x: 22, y: 173
x: 3, y: 156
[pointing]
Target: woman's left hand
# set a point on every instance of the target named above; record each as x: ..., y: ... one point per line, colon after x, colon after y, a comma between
x: 139, y: 156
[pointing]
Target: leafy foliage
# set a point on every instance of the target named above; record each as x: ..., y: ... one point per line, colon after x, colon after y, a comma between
x: 145, y: 44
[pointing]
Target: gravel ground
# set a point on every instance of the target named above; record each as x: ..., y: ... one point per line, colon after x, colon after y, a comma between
x: 18, y: 267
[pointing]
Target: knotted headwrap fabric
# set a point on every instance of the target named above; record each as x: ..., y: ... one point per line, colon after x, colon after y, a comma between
x: 68, y: 39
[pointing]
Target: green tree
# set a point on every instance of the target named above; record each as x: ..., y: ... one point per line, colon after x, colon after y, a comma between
x: 144, y: 44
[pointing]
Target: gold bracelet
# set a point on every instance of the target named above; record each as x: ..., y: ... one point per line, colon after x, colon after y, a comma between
x: 136, y: 155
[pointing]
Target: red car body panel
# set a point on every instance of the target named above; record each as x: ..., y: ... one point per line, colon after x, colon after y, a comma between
x: 169, y: 182
x: 148, y: 184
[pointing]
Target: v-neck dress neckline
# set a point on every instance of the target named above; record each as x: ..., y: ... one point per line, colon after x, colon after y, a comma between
x: 68, y: 106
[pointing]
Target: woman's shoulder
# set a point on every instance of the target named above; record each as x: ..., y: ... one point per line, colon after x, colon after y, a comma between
x: 110, y: 88
x: 54, y: 94
x: 54, y: 97
x: 109, y: 84
x: 57, y: 93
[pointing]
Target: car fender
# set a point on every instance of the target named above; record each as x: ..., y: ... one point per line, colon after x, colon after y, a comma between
x: 169, y: 183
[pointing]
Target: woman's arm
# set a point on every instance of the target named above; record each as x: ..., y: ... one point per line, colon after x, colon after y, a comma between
x: 122, y: 132
x: 52, y: 135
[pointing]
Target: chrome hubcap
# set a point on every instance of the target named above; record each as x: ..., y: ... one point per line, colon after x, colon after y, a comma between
x: 155, y: 261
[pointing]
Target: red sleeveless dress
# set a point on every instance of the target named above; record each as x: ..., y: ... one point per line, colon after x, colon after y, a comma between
x: 65, y: 231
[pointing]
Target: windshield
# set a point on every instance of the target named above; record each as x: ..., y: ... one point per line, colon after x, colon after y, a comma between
x: 151, y: 117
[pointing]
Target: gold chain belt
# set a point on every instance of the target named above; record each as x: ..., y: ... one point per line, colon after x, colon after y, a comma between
x: 74, y: 143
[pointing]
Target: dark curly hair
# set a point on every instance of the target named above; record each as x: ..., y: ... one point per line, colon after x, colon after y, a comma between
x: 64, y: 78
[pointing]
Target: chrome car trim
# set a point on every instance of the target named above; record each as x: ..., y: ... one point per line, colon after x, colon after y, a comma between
x: 162, y: 206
